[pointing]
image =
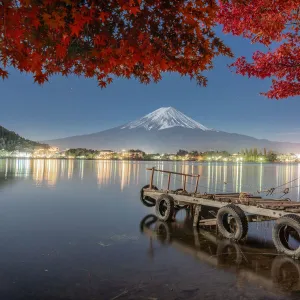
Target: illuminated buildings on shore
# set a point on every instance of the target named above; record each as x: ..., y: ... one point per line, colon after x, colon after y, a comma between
x: 106, y: 154
x: 181, y: 155
x: 52, y: 152
x: 290, y: 157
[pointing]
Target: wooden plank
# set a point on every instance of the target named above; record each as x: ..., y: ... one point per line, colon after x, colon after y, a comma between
x: 279, y: 205
x: 196, y: 215
x: 169, y: 180
x: 207, y: 202
x: 274, y: 200
x: 293, y: 210
x: 151, y: 179
x: 289, y: 204
x: 208, y: 222
x: 184, y: 183
x: 227, y: 194
x: 170, y: 172
x: 197, y: 183
x: 257, y: 218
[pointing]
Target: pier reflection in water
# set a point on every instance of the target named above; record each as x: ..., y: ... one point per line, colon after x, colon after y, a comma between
x: 252, y: 262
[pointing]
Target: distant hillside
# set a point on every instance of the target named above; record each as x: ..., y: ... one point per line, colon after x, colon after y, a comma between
x: 11, y: 141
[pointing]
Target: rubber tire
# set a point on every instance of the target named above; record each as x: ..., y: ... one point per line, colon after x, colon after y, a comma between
x: 147, y: 201
x: 179, y: 206
x: 240, y: 218
x: 170, y: 208
x: 292, y: 221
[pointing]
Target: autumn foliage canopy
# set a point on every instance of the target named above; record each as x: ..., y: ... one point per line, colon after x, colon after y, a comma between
x: 144, y: 38
x: 125, y: 38
x: 276, y: 25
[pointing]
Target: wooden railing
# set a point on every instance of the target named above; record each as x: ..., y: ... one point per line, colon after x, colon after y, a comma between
x: 169, y: 178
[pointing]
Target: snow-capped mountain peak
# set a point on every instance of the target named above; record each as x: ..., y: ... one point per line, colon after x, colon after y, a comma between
x: 163, y: 118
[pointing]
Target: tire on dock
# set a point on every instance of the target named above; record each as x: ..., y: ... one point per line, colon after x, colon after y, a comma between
x: 285, y: 227
x: 146, y: 200
x: 164, y: 208
x: 232, y: 222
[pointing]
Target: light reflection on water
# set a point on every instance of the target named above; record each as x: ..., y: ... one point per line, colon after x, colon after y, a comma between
x: 80, y: 221
x: 215, y: 177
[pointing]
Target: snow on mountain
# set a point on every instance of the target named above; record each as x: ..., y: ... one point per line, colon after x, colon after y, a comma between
x: 163, y: 118
x: 165, y: 131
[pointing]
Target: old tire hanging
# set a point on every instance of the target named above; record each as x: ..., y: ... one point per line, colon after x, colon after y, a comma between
x: 164, y: 208
x: 237, y: 227
x: 280, y: 234
x: 146, y: 200
x: 180, y: 206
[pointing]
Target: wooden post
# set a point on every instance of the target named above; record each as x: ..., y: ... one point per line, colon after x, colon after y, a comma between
x: 196, y: 237
x: 151, y: 179
x: 169, y: 180
x: 196, y: 216
x: 184, y: 183
x: 197, y: 182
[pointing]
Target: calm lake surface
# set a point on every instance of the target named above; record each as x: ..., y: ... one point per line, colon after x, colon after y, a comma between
x: 74, y: 229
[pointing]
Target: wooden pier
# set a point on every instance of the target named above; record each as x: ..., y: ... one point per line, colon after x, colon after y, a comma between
x: 234, y: 211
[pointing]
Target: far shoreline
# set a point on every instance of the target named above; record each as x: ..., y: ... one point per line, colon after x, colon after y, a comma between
x: 153, y: 160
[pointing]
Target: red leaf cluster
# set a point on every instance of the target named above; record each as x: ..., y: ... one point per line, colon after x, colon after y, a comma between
x: 106, y: 38
x: 275, y: 24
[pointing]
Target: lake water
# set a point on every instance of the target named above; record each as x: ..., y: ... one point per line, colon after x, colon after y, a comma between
x: 77, y: 230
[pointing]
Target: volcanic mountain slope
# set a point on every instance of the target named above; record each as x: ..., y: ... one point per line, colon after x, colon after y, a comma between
x: 167, y: 130
x: 164, y: 118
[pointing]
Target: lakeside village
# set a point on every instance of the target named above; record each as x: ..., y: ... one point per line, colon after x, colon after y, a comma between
x: 246, y: 155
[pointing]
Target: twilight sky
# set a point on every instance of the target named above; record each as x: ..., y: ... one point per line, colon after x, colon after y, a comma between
x: 71, y: 106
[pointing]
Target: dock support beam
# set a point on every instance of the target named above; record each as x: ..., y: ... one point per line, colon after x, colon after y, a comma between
x: 184, y: 183
x: 196, y: 215
x: 151, y: 179
x: 169, y: 180
x: 197, y: 183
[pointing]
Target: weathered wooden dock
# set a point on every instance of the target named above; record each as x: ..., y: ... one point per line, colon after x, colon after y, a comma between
x: 235, y: 211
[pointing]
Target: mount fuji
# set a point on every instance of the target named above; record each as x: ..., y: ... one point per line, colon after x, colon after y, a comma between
x: 168, y: 130
x: 163, y: 118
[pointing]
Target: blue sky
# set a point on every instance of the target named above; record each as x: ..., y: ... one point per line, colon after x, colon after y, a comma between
x: 71, y: 106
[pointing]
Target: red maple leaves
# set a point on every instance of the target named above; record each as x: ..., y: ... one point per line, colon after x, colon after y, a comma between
x: 103, y: 39
x: 3, y: 74
x: 275, y: 24
x: 143, y: 39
